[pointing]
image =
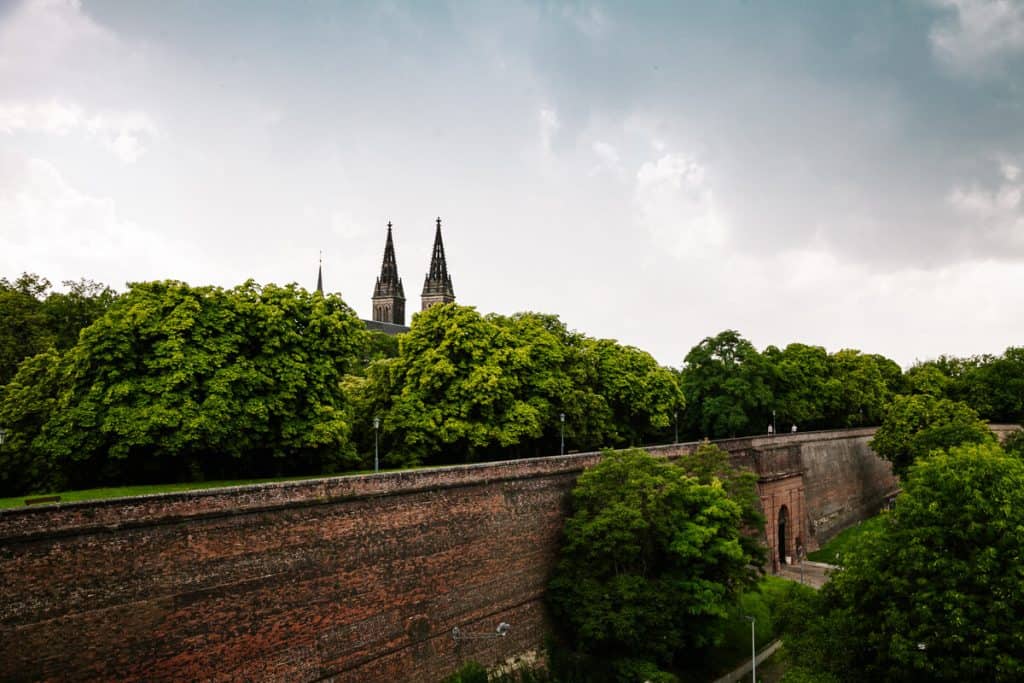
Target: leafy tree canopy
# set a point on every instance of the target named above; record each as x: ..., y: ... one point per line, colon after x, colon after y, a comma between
x: 710, y: 463
x: 466, y: 386
x: 860, y: 387
x: 724, y: 381
x: 24, y: 325
x: 936, y: 594
x: 33, y: 318
x: 914, y: 426
x: 178, y: 382
x: 651, y: 562
x: 992, y: 385
x: 733, y: 390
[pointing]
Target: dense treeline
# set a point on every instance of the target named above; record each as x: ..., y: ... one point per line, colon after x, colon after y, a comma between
x: 35, y: 319
x: 168, y: 382
x: 175, y: 383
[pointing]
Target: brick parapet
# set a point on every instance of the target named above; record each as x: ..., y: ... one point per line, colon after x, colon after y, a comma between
x: 342, y: 578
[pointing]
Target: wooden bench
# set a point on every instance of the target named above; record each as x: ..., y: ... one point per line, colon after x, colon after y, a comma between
x: 42, y: 499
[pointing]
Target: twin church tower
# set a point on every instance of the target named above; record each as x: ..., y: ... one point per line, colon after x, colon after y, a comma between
x: 389, y: 295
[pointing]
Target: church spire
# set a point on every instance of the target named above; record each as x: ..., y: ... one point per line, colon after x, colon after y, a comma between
x: 320, y: 275
x: 388, y: 294
x: 437, y: 285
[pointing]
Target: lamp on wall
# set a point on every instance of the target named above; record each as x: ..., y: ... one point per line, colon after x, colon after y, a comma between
x: 561, y: 416
x: 376, y: 446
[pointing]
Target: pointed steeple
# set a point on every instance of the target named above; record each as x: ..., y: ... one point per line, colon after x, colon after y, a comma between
x: 437, y: 285
x: 320, y: 275
x: 388, y: 294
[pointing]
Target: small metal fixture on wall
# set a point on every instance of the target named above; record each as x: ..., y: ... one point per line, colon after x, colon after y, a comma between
x: 500, y: 632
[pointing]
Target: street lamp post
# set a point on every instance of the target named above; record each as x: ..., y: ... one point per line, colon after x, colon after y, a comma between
x: 376, y: 445
x: 753, y: 651
x: 561, y: 417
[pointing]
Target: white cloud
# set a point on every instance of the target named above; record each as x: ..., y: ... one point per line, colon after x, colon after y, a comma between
x: 549, y: 125
x: 126, y: 134
x: 996, y: 215
x: 607, y: 153
x: 51, y: 227
x: 39, y: 36
x: 975, y: 35
x: 588, y: 18
x: 50, y: 117
x: 609, y: 160
x: 678, y: 206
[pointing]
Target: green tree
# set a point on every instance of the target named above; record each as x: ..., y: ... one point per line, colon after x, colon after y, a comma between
x: 26, y: 403
x: 710, y: 463
x: 72, y: 311
x: 724, y: 381
x: 457, y: 388
x: 24, y: 324
x: 996, y: 387
x: 860, y: 386
x: 798, y: 376
x: 937, y: 594
x: 1014, y: 444
x: 914, y: 426
x: 176, y: 382
x: 641, y: 396
x: 466, y: 387
x: 928, y: 378
x: 651, y: 561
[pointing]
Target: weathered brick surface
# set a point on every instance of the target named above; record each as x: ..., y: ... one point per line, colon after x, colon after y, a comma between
x: 345, y: 579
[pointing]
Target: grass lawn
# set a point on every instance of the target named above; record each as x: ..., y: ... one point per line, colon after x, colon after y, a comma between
x: 841, y: 543
x: 122, y: 491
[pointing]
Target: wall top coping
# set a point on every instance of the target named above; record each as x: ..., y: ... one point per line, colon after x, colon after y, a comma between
x: 158, y: 508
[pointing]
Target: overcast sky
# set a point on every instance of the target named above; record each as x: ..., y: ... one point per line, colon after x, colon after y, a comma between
x: 843, y: 174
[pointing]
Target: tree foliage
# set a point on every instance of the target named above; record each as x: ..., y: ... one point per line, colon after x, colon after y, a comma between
x: 24, y: 325
x: 710, y: 463
x: 724, y: 381
x: 176, y: 382
x: 991, y: 385
x: 466, y: 387
x: 914, y: 426
x: 651, y: 562
x: 34, y: 319
x: 733, y: 390
x: 937, y: 593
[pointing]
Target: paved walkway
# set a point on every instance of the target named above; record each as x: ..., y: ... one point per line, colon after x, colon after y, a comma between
x: 813, y: 574
x: 744, y: 671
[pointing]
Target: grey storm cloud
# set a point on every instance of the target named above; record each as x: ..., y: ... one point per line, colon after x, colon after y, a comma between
x: 846, y: 174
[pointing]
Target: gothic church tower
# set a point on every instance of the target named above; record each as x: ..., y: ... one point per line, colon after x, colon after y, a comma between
x: 388, y: 294
x: 437, y: 285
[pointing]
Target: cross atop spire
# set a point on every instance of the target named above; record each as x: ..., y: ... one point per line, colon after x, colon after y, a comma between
x: 437, y: 286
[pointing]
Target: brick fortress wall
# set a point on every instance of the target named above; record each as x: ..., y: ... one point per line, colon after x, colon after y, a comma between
x: 356, y: 578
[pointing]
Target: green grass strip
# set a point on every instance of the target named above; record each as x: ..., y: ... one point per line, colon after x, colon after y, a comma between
x: 834, y: 551
x: 124, y: 491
